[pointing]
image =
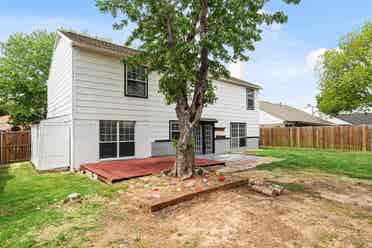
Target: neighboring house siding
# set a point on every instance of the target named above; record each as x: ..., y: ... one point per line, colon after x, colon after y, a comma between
x: 60, y: 80
x: 268, y: 119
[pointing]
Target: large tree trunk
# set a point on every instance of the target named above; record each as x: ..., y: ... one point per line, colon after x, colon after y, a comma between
x: 189, y: 115
x: 185, y: 159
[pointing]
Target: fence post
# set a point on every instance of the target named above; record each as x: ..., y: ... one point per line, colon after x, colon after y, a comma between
x: 1, y: 147
x: 364, y: 137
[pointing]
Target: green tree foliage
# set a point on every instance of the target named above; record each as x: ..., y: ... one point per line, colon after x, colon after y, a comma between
x: 189, y: 42
x: 3, y: 111
x: 346, y: 74
x: 24, y: 67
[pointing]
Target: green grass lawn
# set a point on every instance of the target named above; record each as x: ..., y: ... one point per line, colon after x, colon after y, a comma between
x: 28, y: 202
x: 32, y: 202
x: 356, y: 165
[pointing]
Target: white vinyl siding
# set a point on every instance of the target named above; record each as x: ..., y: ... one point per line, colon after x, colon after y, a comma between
x: 229, y: 107
x: 99, y: 89
x: 99, y: 93
x: 60, y: 80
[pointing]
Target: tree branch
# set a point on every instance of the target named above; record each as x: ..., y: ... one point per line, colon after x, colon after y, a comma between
x: 171, y: 39
x: 192, y: 33
x: 201, y: 86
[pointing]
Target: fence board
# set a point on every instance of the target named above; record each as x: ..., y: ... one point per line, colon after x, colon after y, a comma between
x: 349, y: 138
x: 15, y: 146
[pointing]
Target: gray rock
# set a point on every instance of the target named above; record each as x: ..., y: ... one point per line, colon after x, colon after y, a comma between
x: 190, y: 184
x: 74, y: 197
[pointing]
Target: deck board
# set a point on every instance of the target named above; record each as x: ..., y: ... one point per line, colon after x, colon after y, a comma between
x: 117, y: 170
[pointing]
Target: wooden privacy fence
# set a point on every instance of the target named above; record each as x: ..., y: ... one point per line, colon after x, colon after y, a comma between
x: 15, y: 146
x: 350, y: 138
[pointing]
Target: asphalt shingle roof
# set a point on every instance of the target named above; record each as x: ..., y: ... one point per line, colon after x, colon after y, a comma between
x: 93, y: 42
x: 357, y: 118
x: 290, y: 114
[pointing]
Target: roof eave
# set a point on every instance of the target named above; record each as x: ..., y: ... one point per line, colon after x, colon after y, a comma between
x: 241, y: 83
x: 98, y: 50
x: 311, y: 123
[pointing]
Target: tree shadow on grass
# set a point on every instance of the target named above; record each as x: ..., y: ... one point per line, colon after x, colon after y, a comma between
x: 5, y: 176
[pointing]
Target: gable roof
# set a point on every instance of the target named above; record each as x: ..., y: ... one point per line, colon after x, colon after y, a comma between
x: 98, y: 45
x: 84, y: 41
x: 357, y: 118
x: 290, y: 114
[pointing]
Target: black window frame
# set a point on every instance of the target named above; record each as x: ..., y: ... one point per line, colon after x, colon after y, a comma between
x: 146, y: 82
x: 171, y: 122
x: 250, y: 96
x: 119, y: 136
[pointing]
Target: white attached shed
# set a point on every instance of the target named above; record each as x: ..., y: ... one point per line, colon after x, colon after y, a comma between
x: 51, y: 145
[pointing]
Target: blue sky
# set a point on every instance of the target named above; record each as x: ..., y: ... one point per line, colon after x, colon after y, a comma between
x: 282, y: 62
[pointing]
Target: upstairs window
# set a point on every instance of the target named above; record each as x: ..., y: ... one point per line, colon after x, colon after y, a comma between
x: 136, y: 81
x: 250, y: 99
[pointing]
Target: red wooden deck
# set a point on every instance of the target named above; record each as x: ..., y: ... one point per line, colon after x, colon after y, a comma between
x: 116, y: 170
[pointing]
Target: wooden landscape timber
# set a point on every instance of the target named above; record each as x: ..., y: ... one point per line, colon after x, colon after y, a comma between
x: 256, y: 186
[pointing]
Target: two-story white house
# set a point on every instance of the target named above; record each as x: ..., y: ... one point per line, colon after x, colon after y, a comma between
x: 101, y: 109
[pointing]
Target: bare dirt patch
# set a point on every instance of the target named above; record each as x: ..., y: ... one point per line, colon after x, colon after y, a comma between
x: 319, y: 210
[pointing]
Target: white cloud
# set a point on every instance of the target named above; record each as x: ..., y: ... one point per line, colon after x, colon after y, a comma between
x: 314, y: 57
x: 279, y: 64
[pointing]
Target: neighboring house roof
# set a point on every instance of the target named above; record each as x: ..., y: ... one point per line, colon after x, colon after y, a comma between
x: 356, y: 118
x: 86, y: 42
x: 4, y: 125
x: 315, y: 112
x: 290, y: 114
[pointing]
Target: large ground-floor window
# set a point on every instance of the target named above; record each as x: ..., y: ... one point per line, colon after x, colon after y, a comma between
x: 238, y: 134
x: 116, y: 139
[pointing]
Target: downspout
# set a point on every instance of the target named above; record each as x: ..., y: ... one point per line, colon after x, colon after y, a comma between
x: 72, y: 126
